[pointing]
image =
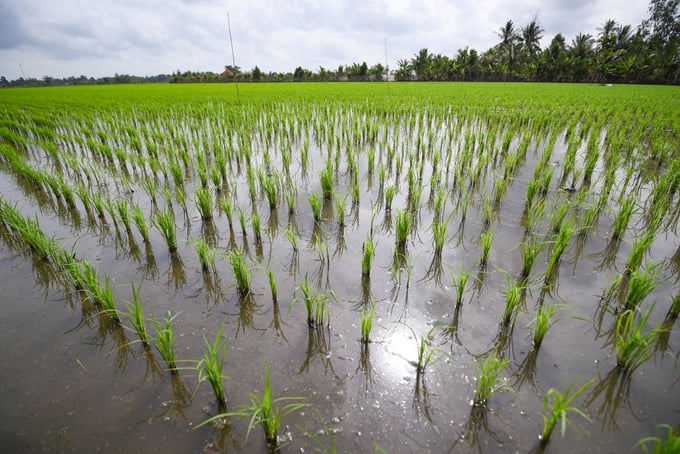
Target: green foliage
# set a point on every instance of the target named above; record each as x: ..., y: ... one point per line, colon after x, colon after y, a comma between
x: 367, y: 323
x: 241, y: 273
x: 210, y: 367
x: 402, y: 224
x: 633, y: 346
x: 164, y: 221
x: 165, y: 343
x: 658, y: 444
x: 136, y: 315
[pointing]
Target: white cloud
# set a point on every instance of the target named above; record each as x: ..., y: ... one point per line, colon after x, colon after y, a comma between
x: 147, y: 37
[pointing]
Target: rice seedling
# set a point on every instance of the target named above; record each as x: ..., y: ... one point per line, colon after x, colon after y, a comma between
x: 367, y: 323
x: 266, y: 411
x: 340, y: 207
x: 315, y: 204
x: 623, y: 218
x: 136, y: 315
x: 390, y: 192
x: 485, y: 241
x: 164, y: 221
x: 204, y: 202
x: 640, y: 285
x: 241, y: 272
x: 140, y: 222
x: 560, y: 244
x: 658, y: 445
x: 638, y: 251
x: 291, y: 199
x: 257, y: 230
x: 206, y: 255
x: 674, y: 310
x: 291, y: 236
x: 165, y: 343
x: 367, y: 254
x: 460, y: 282
x: 633, y: 346
x: 402, y: 226
x: 210, y: 367
x: 530, y: 250
x: 513, y: 302
x: 544, y: 320
x: 315, y: 304
x: 123, y: 210
x: 226, y: 205
x: 488, y: 378
x: 242, y: 221
x: 272, y: 284
x: 558, y: 214
x: 326, y: 178
x: 270, y: 186
x: 556, y: 408
x: 439, y: 230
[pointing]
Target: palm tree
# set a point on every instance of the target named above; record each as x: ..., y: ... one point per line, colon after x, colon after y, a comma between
x: 509, y: 40
x: 531, y: 37
x: 581, y: 46
x: 404, y: 70
x: 422, y: 63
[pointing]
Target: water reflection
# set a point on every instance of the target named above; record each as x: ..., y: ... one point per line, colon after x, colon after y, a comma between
x: 176, y: 273
x: 181, y: 400
x: 318, y: 346
x: 340, y: 245
x: 475, y: 427
x: 614, y: 390
x: 421, y: 398
x: 365, y: 366
x: 276, y: 321
x: 527, y: 371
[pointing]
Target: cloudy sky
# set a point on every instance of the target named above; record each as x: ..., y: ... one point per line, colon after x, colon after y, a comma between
x: 147, y: 37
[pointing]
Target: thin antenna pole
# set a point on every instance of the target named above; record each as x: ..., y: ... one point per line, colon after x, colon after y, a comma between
x: 233, y: 59
x: 387, y: 70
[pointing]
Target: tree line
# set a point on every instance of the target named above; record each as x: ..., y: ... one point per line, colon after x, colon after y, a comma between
x: 615, y: 53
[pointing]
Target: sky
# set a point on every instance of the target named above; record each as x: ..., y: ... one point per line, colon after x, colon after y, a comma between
x: 148, y: 37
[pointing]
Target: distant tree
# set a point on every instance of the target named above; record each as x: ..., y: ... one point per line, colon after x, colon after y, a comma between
x: 404, y: 70
x: 256, y: 73
x: 663, y: 27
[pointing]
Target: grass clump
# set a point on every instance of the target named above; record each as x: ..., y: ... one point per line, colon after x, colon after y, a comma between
x: 315, y: 204
x: 460, y: 282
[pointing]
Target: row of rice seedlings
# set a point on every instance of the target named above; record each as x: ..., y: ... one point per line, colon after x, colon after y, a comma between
x: 559, y: 245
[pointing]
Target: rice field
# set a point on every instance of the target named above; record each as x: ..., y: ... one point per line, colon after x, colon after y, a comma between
x: 419, y: 268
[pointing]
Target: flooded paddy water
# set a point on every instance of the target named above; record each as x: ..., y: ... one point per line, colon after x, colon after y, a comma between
x: 592, y: 185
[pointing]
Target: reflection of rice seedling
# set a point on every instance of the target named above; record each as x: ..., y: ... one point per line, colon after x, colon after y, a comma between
x: 557, y: 406
x: 674, y: 311
x: 136, y: 314
x: 340, y: 206
x: 669, y: 445
x: 459, y: 283
x: 402, y: 226
x: 210, y: 367
x: 240, y: 269
x: 140, y: 222
x: 485, y: 241
x: 165, y: 343
x: 204, y: 202
x: 315, y: 204
x: 633, y: 347
x: 326, y: 177
x: 367, y: 324
x: 164, y: 221
x: 367, y: 254
x: 489, y: 382
x: 272, y: 284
